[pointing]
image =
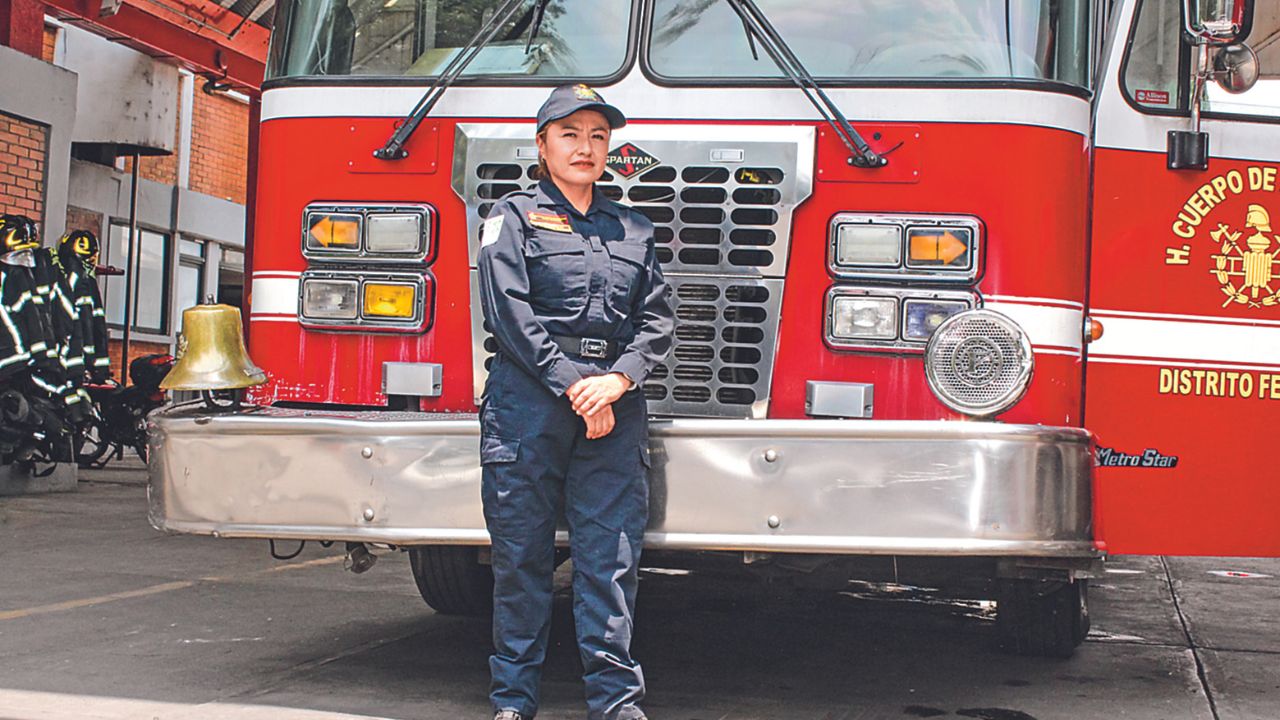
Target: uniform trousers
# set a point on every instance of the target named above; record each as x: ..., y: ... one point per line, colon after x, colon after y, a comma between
x: 537, y: 462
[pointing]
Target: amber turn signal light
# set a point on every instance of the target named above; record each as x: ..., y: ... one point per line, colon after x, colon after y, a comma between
x: 389, y: 300
x: 1092, y: 330
x: 938, y: 247
x: 333, y: 232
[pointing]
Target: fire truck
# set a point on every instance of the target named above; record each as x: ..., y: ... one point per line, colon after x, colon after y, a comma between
x: 969, y: 295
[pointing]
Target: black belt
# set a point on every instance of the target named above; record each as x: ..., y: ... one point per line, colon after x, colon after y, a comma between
x: 592, y: 348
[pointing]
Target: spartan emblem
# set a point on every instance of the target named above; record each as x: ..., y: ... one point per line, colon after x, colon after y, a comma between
x: 627, y: 160
x: 1248, y: 274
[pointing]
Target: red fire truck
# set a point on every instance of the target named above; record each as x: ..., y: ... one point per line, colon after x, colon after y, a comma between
x: 1019, y: 312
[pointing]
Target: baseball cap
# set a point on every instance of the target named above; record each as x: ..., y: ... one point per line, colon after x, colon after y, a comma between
x: 569, y: 99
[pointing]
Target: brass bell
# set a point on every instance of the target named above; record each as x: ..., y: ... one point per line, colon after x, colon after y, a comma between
x: 211, y: 352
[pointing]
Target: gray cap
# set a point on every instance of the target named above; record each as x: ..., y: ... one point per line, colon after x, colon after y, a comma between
x: 569, y: 99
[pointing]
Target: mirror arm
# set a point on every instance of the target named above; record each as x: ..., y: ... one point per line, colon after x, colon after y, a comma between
x: 1199, y: 80
x: 1189, y: 149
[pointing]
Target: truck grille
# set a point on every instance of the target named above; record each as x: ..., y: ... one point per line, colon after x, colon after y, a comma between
x: 721, y: 202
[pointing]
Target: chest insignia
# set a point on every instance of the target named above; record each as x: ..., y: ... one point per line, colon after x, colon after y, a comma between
x: 549, y: 221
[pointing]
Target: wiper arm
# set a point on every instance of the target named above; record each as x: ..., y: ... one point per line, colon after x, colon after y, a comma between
x: 394, y: 147
x: 539, y: 11
x: 759, y: 28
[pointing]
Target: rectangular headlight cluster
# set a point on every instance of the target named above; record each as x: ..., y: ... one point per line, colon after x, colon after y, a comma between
x: 860, y: 317
x: 368, y: 233
x: 896, y: 247
x: 367, y: 300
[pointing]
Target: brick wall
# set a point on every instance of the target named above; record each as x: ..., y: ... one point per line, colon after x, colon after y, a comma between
x: 136, y: 349
x: 23, y: 150
x: 157, y: 168
x: 81, y: 219
x: 219, y: 146
x: 50, y: 41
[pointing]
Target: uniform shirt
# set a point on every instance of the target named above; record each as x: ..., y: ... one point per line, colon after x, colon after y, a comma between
x: 547, y: 269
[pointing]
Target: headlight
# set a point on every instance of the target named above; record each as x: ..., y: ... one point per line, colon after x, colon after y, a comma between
x: 888, y: 318
x: 864, y: 318
x: 979, y: 363
x: 330, y: 299
x: 395, y: 232
x: 872, y: 245
x: 920, y: 318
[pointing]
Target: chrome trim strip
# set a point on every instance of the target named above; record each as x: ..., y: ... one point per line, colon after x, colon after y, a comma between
x: 859, y: 486
x: 1048, y: 327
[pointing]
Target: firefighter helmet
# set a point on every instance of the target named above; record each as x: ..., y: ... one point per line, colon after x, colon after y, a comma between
x: 1258, y: 217
x: 81, y: 243
x: 17, y: 232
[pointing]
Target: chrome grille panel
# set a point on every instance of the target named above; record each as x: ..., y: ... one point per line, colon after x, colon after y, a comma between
x: 722, y: 360
x: 723, y: 232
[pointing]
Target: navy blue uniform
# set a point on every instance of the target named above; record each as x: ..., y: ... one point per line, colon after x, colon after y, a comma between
x: 567, y: 295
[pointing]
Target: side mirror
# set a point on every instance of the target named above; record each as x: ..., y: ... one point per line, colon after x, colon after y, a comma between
x: 1218, y: 22
x: 1235, y: 68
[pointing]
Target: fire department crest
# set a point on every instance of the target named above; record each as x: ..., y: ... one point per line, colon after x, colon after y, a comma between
x: 1243, y: 252
x: 1246, y: 265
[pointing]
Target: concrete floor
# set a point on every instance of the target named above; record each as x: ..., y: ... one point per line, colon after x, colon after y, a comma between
x: 103, y: 617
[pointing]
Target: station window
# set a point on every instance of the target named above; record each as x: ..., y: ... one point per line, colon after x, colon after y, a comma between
x: 190, y: 279
x: 151, y: 289
x: 231, y: 278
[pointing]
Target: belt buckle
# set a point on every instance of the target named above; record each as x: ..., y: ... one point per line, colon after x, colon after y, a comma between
x: 593, y: 348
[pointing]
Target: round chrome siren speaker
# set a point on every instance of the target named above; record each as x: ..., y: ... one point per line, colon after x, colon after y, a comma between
x: 978, y: 362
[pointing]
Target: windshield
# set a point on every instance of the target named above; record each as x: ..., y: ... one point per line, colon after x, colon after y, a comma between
x: 936, y: 39
x: 578, y: 38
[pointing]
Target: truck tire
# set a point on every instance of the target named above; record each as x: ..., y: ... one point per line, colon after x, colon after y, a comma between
x: 452, y: 580
x: 1042, y: 618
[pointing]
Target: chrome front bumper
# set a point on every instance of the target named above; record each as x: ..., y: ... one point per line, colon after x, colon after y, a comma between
x: 812, y: 486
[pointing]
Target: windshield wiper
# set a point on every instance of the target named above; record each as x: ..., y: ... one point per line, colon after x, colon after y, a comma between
x: 759, y: 28
x: 539, y: 10
x: 394, y: 148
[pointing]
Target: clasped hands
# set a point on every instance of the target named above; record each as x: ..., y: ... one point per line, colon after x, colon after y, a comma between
x: 593, y: 399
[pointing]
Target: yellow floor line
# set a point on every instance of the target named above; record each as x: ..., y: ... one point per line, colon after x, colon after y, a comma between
x: 156, y: 589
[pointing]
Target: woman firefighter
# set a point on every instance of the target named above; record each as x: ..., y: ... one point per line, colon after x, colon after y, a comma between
x: 574, y: 297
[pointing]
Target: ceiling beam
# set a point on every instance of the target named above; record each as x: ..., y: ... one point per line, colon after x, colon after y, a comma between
x: 195, y: 33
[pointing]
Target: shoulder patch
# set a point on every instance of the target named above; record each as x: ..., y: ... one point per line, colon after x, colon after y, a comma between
x: 490, y: 230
